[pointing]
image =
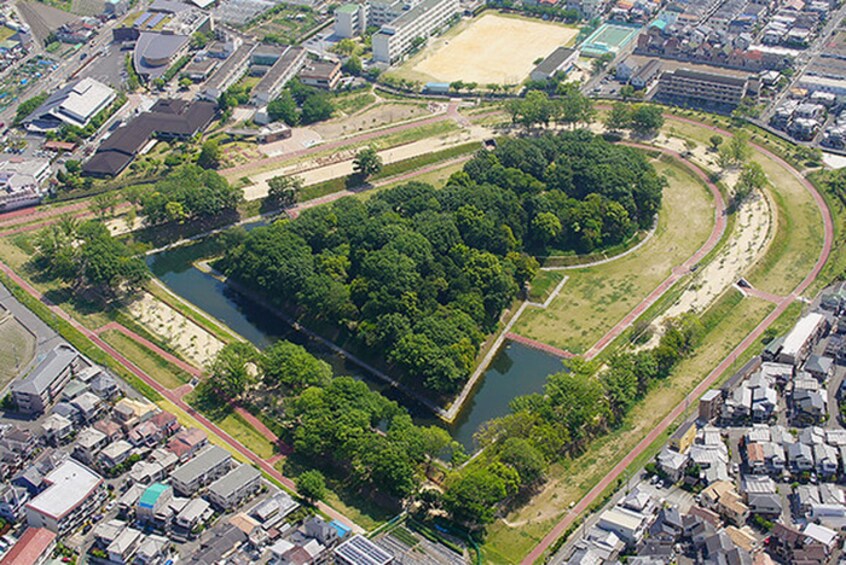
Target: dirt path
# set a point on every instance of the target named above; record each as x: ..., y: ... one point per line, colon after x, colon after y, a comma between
x: 311, y: 175
x: 714, y: 375
x: 193, y: 341
x: 234, y: 445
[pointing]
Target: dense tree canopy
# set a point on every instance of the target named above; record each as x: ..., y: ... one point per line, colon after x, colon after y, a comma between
x: 423, y: 274
x: 189, y: 193
x: 87, y: 256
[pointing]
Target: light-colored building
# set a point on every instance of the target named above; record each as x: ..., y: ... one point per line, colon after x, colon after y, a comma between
x: 76, y: 105
x: 396, y: 38
x: 44, y: 384
x: 283, y: 70
x: 237, y: 485
x: 559, y: 61
x: 700, y: 89
x: 74, y: 492
x: 321, y: 74
x: 210, y: 464
x: 153, y: 501
x: 21, y: 182
x: 797, y: 344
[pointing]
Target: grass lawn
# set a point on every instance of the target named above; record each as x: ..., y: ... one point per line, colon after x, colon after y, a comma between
x: 353, y: 102
x: 353, y: 505
x: 799, y: 233
x: 241, y: 430
x: 543, y: 284
x: 596, y: 298
x: 17, y: 348
x: 166, y: 374
x: 90, y: 314
x: 511, y: 539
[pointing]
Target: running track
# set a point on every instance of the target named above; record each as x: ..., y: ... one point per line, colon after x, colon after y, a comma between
x: 712, y: 377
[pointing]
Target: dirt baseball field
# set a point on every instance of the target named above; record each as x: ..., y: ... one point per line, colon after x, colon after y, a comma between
x: 491, y: 49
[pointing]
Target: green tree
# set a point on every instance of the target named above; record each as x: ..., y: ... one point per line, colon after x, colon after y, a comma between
x: 367, y: 163
x: 752, y: 177
x: 316, y: 108
x: 627, y: 92
x: 232, y: 370
x: 28, y: 106
x: 283, y: 191
x: 619, y: 117
x: 290, y: 365
x: 472, y: 497
x: 311, y: 485
x: 284, y: 108
x: 715, y: 141
x: 353, y: 66
x: 210, y: 155
x: 646, y: 119
x: 524, y: 458
x: 346, y: 47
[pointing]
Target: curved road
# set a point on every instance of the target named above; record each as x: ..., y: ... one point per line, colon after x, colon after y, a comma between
x: 715, y: 374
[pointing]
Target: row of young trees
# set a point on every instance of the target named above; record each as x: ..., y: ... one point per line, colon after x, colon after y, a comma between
x: 423, y: 274
x: 577, y: 406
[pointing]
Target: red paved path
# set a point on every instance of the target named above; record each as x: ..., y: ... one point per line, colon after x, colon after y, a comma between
x: 539, y: 345
x: 713, y: 376
x: 187, y: 367
x: 234, y: 444
x: 768, y: 296
x: 678, y: 272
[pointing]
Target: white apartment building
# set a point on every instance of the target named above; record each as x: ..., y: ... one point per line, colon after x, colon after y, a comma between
x: 396, y: 38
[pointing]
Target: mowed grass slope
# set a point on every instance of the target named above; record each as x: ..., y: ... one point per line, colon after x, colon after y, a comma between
x: 596, y: 298
x: 509, y: 540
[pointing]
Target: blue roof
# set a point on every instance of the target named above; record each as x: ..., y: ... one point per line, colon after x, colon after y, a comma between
x: 341, y: 529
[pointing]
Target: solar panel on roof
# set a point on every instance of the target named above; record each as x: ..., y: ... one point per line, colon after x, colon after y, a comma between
x: 144, y: 17
x: 156, y: 20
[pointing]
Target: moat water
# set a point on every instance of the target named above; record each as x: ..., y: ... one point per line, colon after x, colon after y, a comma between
x: 516, y: 370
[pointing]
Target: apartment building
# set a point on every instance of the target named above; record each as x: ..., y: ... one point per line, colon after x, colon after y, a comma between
x: 283, y: 70
x: 210, y: 464
x: 236, y: 486
x: 74, y: 492
x: 396, y: 38
x: 41, y: 387
x: 701, y: 89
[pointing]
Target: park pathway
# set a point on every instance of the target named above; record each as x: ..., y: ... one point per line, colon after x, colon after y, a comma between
x: 234, y: 445
x: 712, y: 377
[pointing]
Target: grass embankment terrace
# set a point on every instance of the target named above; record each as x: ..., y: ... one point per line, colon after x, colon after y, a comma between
x: 390, y: 170
x: 728, y: 321
x: 156, y: 367
x: 596, y: 298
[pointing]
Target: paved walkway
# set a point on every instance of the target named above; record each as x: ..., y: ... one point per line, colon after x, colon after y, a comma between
x: 450, y: 114
x: 714, y: 375
x: 234, y: 445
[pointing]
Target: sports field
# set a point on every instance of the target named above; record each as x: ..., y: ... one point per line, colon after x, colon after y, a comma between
x: 491, y: 49
x: 608, y: 38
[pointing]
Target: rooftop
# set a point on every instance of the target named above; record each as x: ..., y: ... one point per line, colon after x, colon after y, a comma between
x: 210, y: 457
x: 233, y: 480
x: 70, y: 484
x: 152, y: 494
x: 40, y: 379
x: 362, y: 551
x: 30, y: 548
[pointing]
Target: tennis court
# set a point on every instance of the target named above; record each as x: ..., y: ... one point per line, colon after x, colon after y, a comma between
x: 608, y: 38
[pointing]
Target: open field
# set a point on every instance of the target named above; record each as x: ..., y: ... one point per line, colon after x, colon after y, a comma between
x: 491, y: 49
x: 17, y: 347
x: 509, y: 540
x: 596, y: 298
x: 165, y: 374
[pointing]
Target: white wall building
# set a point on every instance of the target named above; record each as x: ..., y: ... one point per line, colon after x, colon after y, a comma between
x: 396, y: 38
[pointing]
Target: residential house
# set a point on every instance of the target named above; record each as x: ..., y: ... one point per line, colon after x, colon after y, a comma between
x: 89, y: 443
x: 237, y: 485
x: 56, y: 429
x: 115, y: 453
x: 629, y: 526
x: 800, y: 457
x: 89, y: 405
x: 154, y: 504
x: 683, y: 437
x: 210, y: 464
x: 358, y: 550
x: 12, y: 501
x: 187, y: 443
x: 672, y: 464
